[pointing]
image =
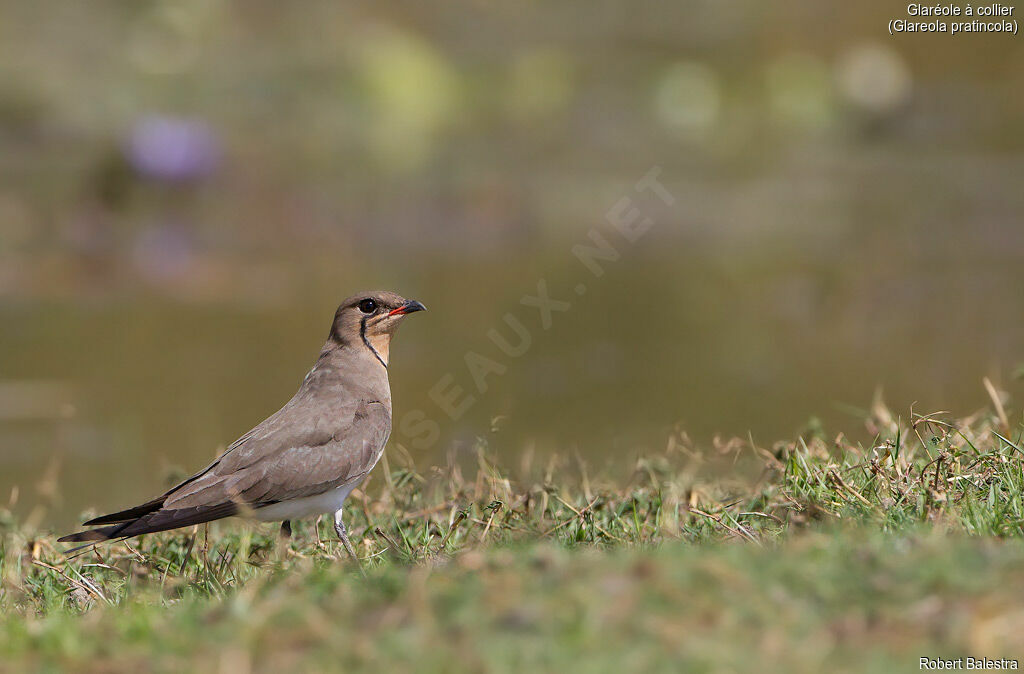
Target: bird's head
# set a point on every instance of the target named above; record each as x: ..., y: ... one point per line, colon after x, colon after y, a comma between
x: 370, y: 319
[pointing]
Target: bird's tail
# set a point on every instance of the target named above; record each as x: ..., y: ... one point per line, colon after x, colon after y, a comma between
x: 93, y: 536
x: 101, y: 534
x: 152, y: 522
x: 119, y: 521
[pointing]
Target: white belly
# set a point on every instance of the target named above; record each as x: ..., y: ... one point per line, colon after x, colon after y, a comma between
x: 309, y: 506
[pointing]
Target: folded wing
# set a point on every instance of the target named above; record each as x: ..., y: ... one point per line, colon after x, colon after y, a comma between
x: 302, y: 450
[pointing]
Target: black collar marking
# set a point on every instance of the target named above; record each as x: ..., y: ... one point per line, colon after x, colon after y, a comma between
x: 362, y: 333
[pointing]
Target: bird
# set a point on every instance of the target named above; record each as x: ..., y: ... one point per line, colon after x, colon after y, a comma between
x: 306, y: 458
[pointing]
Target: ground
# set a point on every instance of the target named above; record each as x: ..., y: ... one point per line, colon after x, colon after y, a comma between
x: 816, y: 554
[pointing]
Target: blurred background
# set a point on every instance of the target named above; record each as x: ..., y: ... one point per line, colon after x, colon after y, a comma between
x: 188, y: 189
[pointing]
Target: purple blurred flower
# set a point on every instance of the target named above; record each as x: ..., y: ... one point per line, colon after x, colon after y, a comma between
x: 173, y: 148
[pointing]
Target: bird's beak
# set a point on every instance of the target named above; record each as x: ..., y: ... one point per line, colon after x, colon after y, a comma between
x: 407, y: 308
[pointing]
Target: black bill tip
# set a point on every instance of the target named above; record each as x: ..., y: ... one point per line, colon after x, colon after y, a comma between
x: 407, y: 308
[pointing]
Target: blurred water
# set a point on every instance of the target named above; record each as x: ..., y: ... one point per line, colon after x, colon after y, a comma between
x: 140, y: 384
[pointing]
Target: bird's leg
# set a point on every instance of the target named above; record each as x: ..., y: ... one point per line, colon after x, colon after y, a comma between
x: 316, y: 528
x: 339, y: 528
x: 283, y: 549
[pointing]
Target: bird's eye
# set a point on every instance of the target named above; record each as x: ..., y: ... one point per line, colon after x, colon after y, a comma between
x: 368, y: 306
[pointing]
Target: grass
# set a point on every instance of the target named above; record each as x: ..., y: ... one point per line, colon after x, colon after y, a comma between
x: 811, y: 554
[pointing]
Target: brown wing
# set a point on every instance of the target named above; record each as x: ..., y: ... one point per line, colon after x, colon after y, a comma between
x: 277, y: 464
x: 302, y: 450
